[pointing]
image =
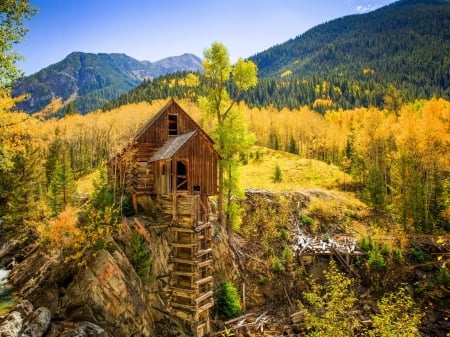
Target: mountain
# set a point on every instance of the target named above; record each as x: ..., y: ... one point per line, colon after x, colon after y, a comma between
x: 91, y: 80
x: 400, y: 50
x: 406, y: 44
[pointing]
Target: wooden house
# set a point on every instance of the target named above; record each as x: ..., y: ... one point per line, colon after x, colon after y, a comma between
x: 169, y: 154
x: 172, y: 162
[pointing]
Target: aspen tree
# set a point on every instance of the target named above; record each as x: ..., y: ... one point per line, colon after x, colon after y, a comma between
x: 218, y: 71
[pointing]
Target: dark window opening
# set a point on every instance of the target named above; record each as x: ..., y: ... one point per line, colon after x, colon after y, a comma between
x: 196, y: 188
x: 173, y: 125
x: 182, y: 183
x: 163, y: 170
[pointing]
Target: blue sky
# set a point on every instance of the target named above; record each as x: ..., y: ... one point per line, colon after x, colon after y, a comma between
x: 152, y: 30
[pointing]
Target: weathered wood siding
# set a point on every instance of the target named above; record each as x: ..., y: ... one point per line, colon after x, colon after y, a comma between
x: 158, y: 131
x: 202, y: 159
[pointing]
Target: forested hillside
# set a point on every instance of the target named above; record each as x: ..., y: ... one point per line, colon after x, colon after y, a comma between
x: 405, y: 44
x: 91, y: 80
x: 399, y: 52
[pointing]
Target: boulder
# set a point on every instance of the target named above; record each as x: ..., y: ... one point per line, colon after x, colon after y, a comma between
x: 11, y: 325
x: 86, y: 329
x: 37, y: 323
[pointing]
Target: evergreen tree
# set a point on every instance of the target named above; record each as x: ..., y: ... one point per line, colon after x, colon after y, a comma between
x: 293, y: 148
x: 277, y: 175
x: 70, y: 110
x: 62, y: 186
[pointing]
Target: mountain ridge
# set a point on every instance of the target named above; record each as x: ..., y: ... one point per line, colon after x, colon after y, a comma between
x: 352, y: 43
x: 355, y: 61
x: 92, y: 79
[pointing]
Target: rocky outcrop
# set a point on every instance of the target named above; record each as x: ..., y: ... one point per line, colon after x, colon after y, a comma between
x: 109, y: 292
x: 102, y: 297
x: 23, y: 321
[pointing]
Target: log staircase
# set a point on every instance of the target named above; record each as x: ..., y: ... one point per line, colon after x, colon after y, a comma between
x: 191, y: 281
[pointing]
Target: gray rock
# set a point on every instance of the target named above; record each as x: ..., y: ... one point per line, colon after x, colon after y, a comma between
x: 24, y: 308
x: 37, y: 323
x: 11, y: 325
x: 86, y: 329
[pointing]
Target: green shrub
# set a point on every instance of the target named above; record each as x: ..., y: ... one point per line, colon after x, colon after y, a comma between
x: 419, y: 256
x: 306, y: 219
x: 140, y: 256
x: 127, y: 206
x: 376, y: 260
x: 385, y: 249
x: 277, y: 175
x: 443, y: 276
x: 398, y: 255
x: 277, y: 266
x: 284, y: 234
x: 397, y: 315
x: 288, y: 256
x: 366, y: 244
x: 228, y: 300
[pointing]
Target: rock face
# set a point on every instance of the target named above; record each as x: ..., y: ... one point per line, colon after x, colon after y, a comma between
x: 108, y: 291
x: 24, y: 322
x: 102, y: 297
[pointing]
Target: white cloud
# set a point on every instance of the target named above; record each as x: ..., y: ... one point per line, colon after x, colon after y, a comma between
x: 367, y: 8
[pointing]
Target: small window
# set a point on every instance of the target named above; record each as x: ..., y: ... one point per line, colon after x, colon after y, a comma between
x: 173, y: 125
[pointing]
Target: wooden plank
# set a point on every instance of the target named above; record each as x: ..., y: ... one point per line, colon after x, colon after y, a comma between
x: 182, y: 290
x: 203, y: 252
x: 187, y: 307
x: 184, y: 273
x: 181, y: 229
x: 206, y: 306
x: 185, y: 261
x: 203, y: 226
x: 184, y: 245
x: 204, y: 280
x: 205, y: 296
x: 182, y: 315
x: 204, y: 263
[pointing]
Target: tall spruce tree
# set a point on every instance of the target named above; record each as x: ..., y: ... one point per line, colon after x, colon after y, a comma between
x: 62, y: 185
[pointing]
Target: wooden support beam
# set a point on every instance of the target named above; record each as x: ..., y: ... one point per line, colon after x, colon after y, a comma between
x: 203, y: 252
x: 203, y: 297
x: 204, y: 263
x: 183, y: 245
x: 204, y: 280
x: 183, y: 261
x: 206, y: 306
x: 184, y: 273
x: 203, y: 226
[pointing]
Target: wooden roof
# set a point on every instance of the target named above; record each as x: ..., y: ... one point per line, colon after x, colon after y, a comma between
x: 144, y: 127
x: 171, y: 147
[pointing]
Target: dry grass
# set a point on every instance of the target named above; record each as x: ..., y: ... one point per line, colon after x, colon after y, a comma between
x: 297, y: 173
x: 85, y: 183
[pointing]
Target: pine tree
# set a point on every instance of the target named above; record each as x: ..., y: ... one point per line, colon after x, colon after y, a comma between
x: 62, y: 186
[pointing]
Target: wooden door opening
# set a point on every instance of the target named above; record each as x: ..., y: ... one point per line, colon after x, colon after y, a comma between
x: 182, y: 181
